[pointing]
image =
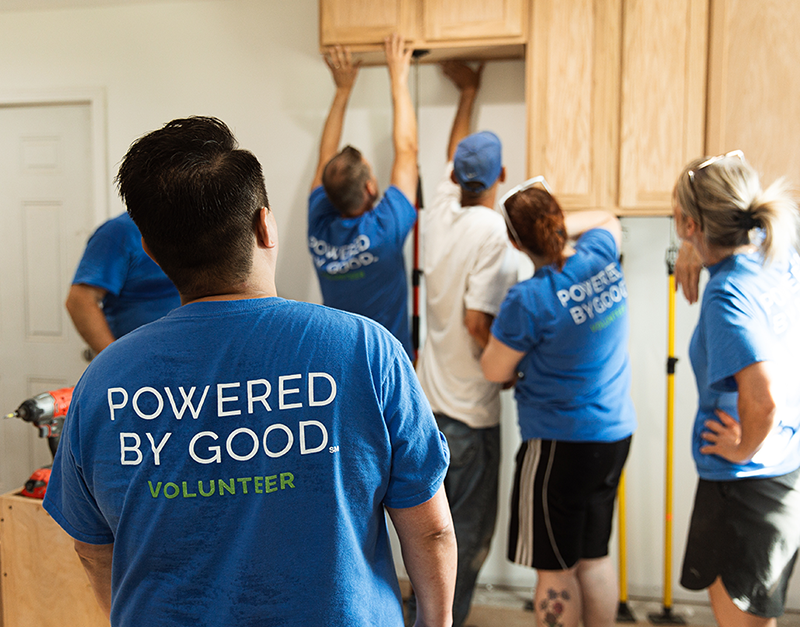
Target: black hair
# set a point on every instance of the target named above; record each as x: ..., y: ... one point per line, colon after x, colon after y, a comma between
x: 195, y: 197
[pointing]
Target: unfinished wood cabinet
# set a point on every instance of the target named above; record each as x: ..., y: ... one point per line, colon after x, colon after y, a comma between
x: 448, y: 29
x: 364, y: 22
x: 754, y: 83
x: 43, y: 582
x: 452, y: 20
x: 616, y: 99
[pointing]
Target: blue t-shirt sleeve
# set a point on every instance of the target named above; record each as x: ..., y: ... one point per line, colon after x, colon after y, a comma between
x: 514, y: 326
x: 105, y: 260
x: 395, y: 215
x: 420, y: 456
x: 68, y: 498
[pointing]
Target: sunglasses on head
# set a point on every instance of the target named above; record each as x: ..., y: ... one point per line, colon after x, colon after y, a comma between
x: 536, y: 180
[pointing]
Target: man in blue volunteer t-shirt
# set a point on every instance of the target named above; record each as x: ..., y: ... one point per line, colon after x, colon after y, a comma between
x: 356, y: 244
x: 230, y: 464
x: 117, y: 287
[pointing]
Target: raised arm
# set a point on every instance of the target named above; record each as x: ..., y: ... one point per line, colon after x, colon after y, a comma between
x: 83, y: 306
x: 428, y: 544
x: 344, y: 73
x: 404, y: 131
x: 467, y: 81
x: 578, y: 222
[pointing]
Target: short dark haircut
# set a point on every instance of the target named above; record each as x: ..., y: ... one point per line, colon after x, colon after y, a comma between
x: 195, y: 198
x: 344, y: 179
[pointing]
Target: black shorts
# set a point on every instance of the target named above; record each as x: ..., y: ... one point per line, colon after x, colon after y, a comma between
x: 747, y: 532
x: 562, y: 506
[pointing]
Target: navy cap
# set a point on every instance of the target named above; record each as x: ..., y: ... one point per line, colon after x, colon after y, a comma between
x: 478, y: 159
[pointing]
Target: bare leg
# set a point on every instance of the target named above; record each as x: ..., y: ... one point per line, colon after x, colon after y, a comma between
x: 557, y: 600
x: 728, y: 615
x: 599, y: 591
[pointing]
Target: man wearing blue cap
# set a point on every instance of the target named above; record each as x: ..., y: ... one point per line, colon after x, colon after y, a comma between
x: 468, y: 266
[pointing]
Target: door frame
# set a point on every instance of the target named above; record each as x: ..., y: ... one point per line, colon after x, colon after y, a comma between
x: 95, y: 98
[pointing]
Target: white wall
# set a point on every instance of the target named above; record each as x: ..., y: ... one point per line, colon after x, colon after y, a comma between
x: 255, y: 64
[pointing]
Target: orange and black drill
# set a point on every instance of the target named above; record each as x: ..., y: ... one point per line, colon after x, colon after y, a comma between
x: 46, y: 411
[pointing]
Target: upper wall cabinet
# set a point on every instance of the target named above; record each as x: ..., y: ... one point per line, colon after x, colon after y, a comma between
x: 754, y: 84
x: 616, y: 99
x: 467, y: 29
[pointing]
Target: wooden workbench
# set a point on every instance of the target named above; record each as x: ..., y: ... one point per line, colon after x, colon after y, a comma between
x: 43, y: 582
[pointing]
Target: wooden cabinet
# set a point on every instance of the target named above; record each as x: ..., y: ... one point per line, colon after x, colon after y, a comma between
x: 467, y: 29
x: 616, y: 99
x: 754, y: 84
x: 43, y: 582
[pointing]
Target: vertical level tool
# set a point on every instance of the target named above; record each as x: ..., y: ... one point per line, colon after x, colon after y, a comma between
x: 666, y: 617
x: 624, y: 612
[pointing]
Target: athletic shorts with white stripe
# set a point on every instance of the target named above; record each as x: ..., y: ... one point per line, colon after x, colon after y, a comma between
x: 562, y: 506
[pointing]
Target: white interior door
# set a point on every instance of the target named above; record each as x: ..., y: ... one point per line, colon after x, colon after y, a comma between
x: 46, y: 215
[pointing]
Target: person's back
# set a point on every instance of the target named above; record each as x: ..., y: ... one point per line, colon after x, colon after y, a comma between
x: 266, y: 440
x: 468, y: 265
x: 230, y: 464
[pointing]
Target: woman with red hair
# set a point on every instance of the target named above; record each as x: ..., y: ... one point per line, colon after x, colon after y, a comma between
x: 563, y: 336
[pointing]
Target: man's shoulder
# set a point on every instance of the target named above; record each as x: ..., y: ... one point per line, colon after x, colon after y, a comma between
x: 119, y: 227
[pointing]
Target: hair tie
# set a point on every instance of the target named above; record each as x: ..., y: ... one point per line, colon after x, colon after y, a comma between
x: 747, y: 221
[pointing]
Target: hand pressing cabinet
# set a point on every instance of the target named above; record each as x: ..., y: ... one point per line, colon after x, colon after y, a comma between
x: 488, y: 29
x: 616, y: 99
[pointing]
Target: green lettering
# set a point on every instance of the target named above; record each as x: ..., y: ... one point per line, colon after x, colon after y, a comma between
x: 155, y: 492
x: 258, y: 484
x: 287, y: 478
x: 203, y: 492
x: 171, y: 486
x: 270, y: 483
x: 243, y: 481
x: 229, y: 488
x: 186, y: 494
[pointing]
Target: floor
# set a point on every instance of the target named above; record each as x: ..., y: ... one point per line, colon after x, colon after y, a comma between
x: 494, y: 606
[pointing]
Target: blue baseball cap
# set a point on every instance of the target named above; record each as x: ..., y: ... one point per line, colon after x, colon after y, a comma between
x: 478, y: 159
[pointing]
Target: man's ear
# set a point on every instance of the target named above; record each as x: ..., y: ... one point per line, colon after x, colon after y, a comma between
x: 372, y: 188
x: 502, y: 177
x: 146, y: 249
x: 266, y: 229
x: 453, y: 177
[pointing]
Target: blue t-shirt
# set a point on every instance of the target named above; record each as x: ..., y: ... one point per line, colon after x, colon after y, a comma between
x: 575, y: 377
x: 359, y: 261
x: 138, y: 290
x: 749, y: 313
x: 240, y: 460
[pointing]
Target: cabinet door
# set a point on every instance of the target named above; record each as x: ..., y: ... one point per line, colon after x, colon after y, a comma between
x: 754, y: 84
x: 572, y: 70
x: 662, y: 100
x: 366, y: 21
x: 473, y: 19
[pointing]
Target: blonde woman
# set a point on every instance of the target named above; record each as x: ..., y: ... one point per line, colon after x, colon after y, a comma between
x: 745, y: 353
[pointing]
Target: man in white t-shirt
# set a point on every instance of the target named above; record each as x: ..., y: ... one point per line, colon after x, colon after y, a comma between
x: 469, y: 266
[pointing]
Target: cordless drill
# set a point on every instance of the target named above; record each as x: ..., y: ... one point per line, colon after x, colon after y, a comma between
x: 46, y: 411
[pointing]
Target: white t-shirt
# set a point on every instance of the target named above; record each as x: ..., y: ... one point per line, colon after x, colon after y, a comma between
x: 468, y: 263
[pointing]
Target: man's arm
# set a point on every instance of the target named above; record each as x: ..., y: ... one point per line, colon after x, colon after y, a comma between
x: 96, y: 560
x: 479, y: 324
x: 467, y: 81
x: 344, y: 73
x: 428, y: 544
x: 404, y: 130
x: 83, y: 306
